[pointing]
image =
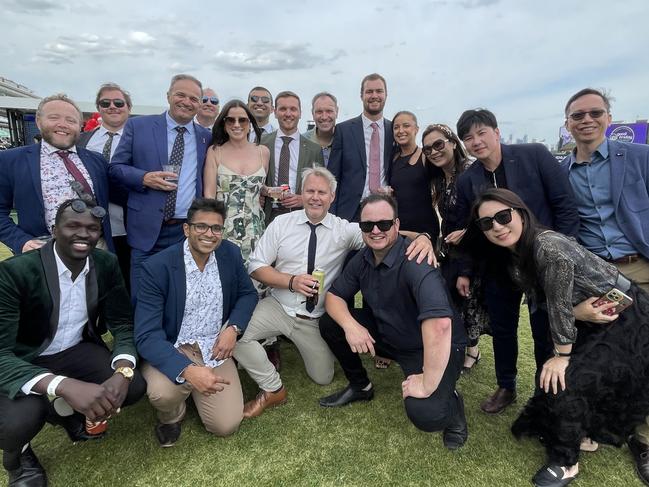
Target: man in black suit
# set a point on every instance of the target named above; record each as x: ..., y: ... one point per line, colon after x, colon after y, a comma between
x: 532, y: 172
x: 361, y: 151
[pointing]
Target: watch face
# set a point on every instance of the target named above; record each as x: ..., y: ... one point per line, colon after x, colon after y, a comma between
x: 126, y: 372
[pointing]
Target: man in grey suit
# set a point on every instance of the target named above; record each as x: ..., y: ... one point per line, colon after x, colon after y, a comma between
x: 290, y: 154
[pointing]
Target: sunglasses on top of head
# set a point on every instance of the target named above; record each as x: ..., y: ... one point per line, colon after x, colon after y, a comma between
x: 263, y: 99
x: 212, y: 99
x: 437, y: 146
x: 117, y: 102
x: 383, y: 225
x: 80, y: 206
x: 597, y: 113
x: 503, y: 217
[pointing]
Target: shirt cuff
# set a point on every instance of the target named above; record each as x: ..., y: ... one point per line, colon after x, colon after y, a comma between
x: 123, y: 356
x: 27, y: 387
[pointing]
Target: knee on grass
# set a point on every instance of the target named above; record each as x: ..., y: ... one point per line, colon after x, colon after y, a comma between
x: 424, y: 417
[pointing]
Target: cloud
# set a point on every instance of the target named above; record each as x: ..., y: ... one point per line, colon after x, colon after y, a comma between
x: 32, y: 6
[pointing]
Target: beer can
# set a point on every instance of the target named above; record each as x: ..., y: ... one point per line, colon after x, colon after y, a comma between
x: 96, y: 427
x: 319, y: 274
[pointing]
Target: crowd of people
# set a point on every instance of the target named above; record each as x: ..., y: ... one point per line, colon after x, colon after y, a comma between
x: 198, y: 236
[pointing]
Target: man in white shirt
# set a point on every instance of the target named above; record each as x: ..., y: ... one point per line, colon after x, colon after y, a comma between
x: 260, y: 102
x: 57, y: 303
x: 290, y: 249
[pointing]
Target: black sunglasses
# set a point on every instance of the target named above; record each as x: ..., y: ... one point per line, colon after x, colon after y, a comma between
x: 80, y: 206
x: 597, y: 113
x: 437, y: 146
x: 118, y: 102
x: 384, y: 225
x: 255, y: 99
x: 203, y: 227
x: 212, y: 99
x: 503, y: 217
x: 233, y: 120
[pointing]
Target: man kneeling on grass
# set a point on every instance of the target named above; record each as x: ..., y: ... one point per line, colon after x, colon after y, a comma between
x: 194, y: 299
x: 408, y: 319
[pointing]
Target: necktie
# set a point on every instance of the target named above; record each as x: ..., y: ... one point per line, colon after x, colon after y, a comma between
x: 284, y: 162
x: 108, y: 145
x: 176, y: 159
x: 375, y: 159
x: 74, y: 171
x: 310, y: 261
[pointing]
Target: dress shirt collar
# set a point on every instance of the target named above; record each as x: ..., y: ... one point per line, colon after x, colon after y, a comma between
x: 190, y: 263
x: 295, y: 135
x: 394, y: 253
x: 62, y: 268
x: 49, y: 149
x: 327, y: 221
x: 172, y: 124
x: 367, y: 122
x: 601, y: 151
x: 102, y: 131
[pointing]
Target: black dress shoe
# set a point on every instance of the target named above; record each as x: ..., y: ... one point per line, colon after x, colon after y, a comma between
x: 77, y: 432
x: 30, y: 473
x: 551, y: 476
x: 167, y: 434
x: 640, y: 453
x: 346, y: 396
x: 456, y: 431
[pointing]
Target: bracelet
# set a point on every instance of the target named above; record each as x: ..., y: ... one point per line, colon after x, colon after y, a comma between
x: 290, y: 284
x: 557, y: 353
x: 54, y: 383
x: 425, y: 235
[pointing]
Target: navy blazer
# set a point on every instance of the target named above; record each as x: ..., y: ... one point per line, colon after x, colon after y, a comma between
x: 161, y: 303
x: 534, y: 175
x: 629, y: 190
x: 22, y: 166
x: 348, y: 163
x: 142, y: 149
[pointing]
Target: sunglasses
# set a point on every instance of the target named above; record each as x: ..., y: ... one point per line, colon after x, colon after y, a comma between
x: 233, y: 120
x: 263, y: 99
x: 117, y: 102
x: 203, y: 227
x: 212, y: 99
x: 503, y: 217
x: 577, y: 116
x: 80, y: 206
x: 437, y: 146
x: 384, y: 225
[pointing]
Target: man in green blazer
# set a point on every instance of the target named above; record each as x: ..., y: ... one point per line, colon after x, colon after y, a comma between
x: 290, y: 154
x: 55, y: 304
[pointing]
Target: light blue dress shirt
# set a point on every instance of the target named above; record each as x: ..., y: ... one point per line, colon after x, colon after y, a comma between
x: 188, y: 172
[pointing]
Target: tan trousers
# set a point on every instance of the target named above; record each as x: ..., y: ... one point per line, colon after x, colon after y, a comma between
x: 638, y: 272
x: 221, y: 413
x: 269, y: 320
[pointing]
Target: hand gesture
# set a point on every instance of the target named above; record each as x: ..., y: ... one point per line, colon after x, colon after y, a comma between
x: 359, y: 339
x: 455, y: 237
x: 463, y: 285
x: 305, y: 284
x: 95, y: 401
x: 156, y: 180
x: 204, y: 380
x: 224, y: 344
x: 585, y: 311
x: 554, y: 374
x: 117, y: 385
x: 33, y: 244
x: 291, y: 200
x: 422, y: 248
x: 413, y: 386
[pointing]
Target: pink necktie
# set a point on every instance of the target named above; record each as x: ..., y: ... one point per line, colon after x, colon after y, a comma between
x: 375, y: 159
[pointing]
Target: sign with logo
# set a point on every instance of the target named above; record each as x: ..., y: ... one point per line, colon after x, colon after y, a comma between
x: 628, y: 132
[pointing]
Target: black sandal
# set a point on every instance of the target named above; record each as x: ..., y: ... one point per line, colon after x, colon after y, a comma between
x: 476, y: 359
x: 552, y: 476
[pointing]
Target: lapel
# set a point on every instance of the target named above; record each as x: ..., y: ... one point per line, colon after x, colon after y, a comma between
x: 201, y: 149
x: 34, y: 165
x: 224, y: 275
x: 617, y: 156
x: 178, y: 285
x: 303, y: 161
x: 269, y: 141
x: 85, y: 160
x: 359, y: 136
x: 92, y: 297
x: 511, y: 168
x: 388, y: 147
x: 52, y: 281
x: 159, y: 129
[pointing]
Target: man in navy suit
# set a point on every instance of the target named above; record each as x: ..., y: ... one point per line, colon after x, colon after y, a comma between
x: 612, y: 226
x: 158, y: 200
x: 361, y: 151
x: 195, y: 299
x: 531, y: 171
x: 36, y: 179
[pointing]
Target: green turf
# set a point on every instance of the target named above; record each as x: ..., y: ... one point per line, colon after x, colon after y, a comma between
x: 302, y: 444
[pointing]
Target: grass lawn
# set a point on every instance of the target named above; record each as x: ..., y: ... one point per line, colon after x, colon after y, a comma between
x: 302, y: 444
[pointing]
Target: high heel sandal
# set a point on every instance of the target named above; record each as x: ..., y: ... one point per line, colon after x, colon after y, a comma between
x: 476, y: 359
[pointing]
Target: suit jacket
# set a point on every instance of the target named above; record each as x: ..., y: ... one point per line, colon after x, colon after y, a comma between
x: 20, y: 189
x: 29, y: 311
x: 629, y: 164
x: 348, y: 162
x: 310, y: 156
x: 142, y: 149
x: 161, y: 303
x: 533, y: 174
x: 84, y: 137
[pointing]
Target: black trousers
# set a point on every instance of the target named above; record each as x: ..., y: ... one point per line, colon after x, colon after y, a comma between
x: 428, y: 414
x: 123, y: 252
x: 503, y: 306
x: 23, y: 417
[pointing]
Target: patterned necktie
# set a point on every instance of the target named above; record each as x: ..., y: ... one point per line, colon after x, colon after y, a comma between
x: 108, y: 145
x: 375, y: 159
x: 310, y: 260
x: 176, y: 159
x: 284, y: 161
x: 74, y: 171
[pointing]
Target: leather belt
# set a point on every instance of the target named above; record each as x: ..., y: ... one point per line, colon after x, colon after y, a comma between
x: 174, y: 221
x: 622, y: 283
x: 305, y: 317
x: 627, y: 259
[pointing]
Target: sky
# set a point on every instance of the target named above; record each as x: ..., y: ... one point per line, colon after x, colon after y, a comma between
x: 521, y: 59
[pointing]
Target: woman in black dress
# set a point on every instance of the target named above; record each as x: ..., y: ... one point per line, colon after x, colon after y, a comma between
x: 596, y: 384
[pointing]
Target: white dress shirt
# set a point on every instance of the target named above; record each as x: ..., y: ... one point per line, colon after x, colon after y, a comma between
x: 286, y: 242
x: 367, y: 131
x: 294, y: 150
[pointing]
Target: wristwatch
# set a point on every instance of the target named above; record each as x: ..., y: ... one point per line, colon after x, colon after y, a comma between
x: 127, y: 372
x: 236, y: 329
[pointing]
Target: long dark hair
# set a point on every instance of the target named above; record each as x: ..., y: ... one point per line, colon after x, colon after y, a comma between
x: 496, y: 258
x: 220, y: 135
x: 460, y: 156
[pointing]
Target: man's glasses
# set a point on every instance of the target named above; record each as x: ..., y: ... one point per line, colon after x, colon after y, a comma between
x: 241, y: 120
x: 80, y: 206
x: 212, y: 99
x: 437, y: 146
x: 263, y: 99
x: 384, y: 225
x: 203, y: 227
x: 577, y: 116
x: 117, y: 102
x: 503, y: 217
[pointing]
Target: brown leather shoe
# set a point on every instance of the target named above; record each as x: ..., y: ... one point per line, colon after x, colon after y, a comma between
x: 265, y: 399
x: 497, y: 403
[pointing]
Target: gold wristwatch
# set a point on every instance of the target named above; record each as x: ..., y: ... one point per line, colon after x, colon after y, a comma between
x: 127, y: 372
